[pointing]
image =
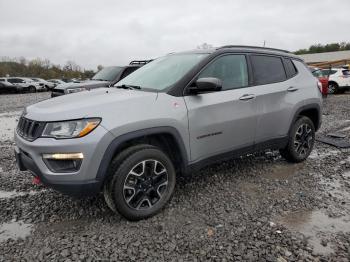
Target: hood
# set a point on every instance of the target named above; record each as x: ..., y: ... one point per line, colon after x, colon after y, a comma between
x: 87, y: 84
x: 101, y: 102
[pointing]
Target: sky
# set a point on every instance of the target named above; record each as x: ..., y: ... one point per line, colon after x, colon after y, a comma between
x: 114, y: 32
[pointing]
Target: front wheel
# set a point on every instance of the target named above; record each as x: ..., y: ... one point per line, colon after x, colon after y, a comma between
x: 32, y: 89
x: 142, y: 184
x: 301, y: 140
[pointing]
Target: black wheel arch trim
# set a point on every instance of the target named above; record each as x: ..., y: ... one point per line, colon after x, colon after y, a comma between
x: 113, y: 146
x: 308, y: 107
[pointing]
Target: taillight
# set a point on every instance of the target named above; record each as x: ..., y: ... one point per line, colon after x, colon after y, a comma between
x: 319, y: 85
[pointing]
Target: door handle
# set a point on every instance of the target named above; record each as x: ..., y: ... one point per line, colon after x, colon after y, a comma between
x: 292, y: 89
x: 247, y: 97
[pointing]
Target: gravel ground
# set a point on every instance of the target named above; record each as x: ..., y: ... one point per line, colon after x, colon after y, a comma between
x: 256, y: 208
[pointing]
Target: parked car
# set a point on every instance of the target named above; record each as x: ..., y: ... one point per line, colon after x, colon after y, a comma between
x: 6, y: 86
x: 104, y: 78
x: 174, y: 115
x: 72, y: 80
x: 26, y: 84
x: 48, y: 85
x: 319, y: 74
x: 32, y: 85
x: 338, y: 80
x: 56, y: 82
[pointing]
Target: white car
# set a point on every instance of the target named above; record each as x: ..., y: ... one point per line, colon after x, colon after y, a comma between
x: 32, y: 85
x: 24, y: 83
x: 48, y: 85
x: 338, y: 80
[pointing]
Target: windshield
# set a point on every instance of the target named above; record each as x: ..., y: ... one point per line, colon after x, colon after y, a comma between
x: 107, y: 73
x: 162, y: 72
x: 319, y: 73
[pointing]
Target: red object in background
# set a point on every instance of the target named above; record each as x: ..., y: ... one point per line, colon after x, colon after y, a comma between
x: 36, y: 181
x: 324, y: 82
x: 317, y: 72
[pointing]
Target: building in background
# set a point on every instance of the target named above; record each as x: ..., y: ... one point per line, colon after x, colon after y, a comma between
x: 328, y: 59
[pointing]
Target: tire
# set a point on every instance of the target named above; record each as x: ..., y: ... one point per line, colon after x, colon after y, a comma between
x: 141, y: 180
x: 116, y: 163
x: 300, y: 142
x: 32, y: 89
x: 332, y: 88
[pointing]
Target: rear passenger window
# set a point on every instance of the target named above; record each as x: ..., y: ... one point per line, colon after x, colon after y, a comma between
x: 230, y: 69
x: 346, y: 72
x: 267, y: 69
x: 290, y: 67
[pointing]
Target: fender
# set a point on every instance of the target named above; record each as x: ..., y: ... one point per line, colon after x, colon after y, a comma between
x: 113, y: 146
x: 306, y: 107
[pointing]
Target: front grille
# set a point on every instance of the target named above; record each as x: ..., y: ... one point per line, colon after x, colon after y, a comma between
x: 29, y: 129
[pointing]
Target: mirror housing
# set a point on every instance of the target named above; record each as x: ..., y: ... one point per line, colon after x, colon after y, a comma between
x: 206, y: 84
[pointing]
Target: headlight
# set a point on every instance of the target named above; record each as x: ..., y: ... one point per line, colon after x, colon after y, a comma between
x: 71, y: 128
x: 75, y: 90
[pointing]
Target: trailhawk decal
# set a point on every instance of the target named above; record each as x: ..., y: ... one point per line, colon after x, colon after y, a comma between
x: 208, y: 135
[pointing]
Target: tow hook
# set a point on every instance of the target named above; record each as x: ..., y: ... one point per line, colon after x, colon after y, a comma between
x: 36, y: 181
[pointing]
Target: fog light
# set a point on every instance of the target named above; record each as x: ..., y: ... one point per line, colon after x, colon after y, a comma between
x: 63, y: 156
x: 63, y: 162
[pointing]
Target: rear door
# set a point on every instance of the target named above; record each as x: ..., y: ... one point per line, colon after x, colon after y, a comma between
x: 275, y: 95
x: 225, y: 120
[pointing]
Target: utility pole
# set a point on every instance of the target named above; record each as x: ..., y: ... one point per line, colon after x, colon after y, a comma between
x: 264, y: 43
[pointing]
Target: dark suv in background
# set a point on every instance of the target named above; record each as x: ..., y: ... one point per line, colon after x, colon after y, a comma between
x: 106, y: 77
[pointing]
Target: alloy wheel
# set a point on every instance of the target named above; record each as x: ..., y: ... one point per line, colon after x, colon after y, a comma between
x: 331, y: 89
x: 303, y: 140
x: 145, y: 184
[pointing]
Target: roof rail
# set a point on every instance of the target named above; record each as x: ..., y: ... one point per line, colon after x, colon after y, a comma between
x: 254, y: 47
x: 140, y: 62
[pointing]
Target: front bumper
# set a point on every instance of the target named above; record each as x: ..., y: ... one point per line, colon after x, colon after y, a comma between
x: 76, y: 184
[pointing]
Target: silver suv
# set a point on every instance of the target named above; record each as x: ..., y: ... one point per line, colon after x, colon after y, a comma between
x: 174, y: 115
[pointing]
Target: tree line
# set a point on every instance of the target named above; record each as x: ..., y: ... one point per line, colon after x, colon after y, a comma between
x: 319, y: 48
x: 42, y: 68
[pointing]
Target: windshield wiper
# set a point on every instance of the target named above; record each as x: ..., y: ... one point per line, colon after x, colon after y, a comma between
x: 129, y: 87
x: 98, y: 79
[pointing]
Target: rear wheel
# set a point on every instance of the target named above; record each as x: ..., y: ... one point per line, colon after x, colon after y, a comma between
x: 301, y: 140
x: 141, y: 181
x: 332, y: 88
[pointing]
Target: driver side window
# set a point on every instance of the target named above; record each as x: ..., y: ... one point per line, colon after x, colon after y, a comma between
x: 230, y: 69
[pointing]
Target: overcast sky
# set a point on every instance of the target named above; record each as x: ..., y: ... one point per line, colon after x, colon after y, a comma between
x: 115, y: 32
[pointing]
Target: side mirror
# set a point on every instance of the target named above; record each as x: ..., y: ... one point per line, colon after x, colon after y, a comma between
x: 206, y: 84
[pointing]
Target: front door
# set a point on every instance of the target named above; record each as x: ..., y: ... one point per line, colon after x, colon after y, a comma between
x: 225, y: 120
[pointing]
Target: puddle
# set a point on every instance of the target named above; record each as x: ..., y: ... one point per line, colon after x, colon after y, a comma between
x: 8, y: 123
x: 335, y: 188
x: 15, y: 230
x: 283, y: 171
x: 312, y: 224
x: 12, y: 194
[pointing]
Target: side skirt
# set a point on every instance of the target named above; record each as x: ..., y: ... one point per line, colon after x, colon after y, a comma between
x: 273, y: 144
